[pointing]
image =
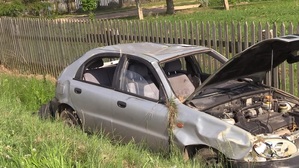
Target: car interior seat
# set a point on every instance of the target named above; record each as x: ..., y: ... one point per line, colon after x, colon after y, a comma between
x: 98, y: 75
x: 139, y: 81
x: 181, y: 84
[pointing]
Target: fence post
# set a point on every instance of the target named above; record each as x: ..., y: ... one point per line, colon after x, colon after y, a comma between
x: 283, y: 68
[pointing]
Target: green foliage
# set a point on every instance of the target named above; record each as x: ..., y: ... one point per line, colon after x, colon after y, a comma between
x: 89, y: 5
x: 24, y: 7
x: 14, y: 8
x: 172, y: 119
x: 30, y: 1
x: 27, y: 92
x: 39, y: 8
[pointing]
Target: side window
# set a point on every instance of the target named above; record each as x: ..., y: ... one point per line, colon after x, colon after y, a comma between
x: 138, y: 79
x: 100, y: 70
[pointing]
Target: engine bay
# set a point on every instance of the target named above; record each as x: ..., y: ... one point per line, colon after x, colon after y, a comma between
x: 256, y: 108
x: 260, y: 113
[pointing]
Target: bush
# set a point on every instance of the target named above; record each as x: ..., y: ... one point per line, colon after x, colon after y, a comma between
x: 24, y: 7
x: 14, y: 8
x: 89, y: 5
x: 39, y: 9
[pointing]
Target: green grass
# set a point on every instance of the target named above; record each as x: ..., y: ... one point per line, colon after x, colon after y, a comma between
x: 176, y: 3
x: 264, y: 11
x: 26, y: 141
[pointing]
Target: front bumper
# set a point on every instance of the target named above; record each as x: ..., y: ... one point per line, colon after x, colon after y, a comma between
x: 291, y: 162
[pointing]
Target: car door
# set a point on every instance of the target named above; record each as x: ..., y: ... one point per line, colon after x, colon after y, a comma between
x: 138, y: 110
x: 91, y: 94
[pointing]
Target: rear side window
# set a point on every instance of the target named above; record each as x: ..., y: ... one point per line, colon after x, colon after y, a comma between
x: 100, y: 70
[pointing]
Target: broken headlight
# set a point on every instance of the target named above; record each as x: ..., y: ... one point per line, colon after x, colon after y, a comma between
x: 274, y: 148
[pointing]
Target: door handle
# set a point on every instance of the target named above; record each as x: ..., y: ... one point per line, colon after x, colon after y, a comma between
x: 121, y: 104
x: 78, y: 90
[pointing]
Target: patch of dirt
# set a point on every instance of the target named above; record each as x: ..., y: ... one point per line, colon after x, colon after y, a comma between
x: 48, y: 77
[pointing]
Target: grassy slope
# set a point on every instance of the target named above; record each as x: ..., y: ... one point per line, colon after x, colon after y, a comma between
x: 27, y: 141
x: 267, y: 11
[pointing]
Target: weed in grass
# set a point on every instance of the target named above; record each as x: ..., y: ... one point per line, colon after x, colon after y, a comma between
x: 29, y: 93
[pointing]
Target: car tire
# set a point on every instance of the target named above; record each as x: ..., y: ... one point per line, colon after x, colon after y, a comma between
x: 210, y: 157
x: 47, y: 111
x: 69, y: 117
x: 44, y: 111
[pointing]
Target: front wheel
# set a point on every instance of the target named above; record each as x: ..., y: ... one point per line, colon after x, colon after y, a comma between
x: 207, y: 156
x: 69, y: 117
x: 47, y: 111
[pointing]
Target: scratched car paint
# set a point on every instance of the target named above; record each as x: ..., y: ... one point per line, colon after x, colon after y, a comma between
x: 123, y: 90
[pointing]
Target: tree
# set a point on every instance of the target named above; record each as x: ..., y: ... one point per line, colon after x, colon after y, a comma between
x: 170, y: 7
x: 226, y: 5
x: 139, y: 9
x: 121, y: 3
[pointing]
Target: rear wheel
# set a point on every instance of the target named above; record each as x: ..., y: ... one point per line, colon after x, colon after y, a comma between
x: 69, y: 117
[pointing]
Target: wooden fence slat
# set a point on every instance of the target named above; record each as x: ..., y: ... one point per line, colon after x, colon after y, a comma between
x: 239, y: 38
x: 291, y: 68
x: 213, y: 35
x: 186, y: 34
x: 158, y: 32
x: 31, y: 43
x: 176, y: 32
x: 276, y: 82
x: 202, y: 34
x: 171, y: 38
x: 246, y: 35
x: 253, y: 33
x: 181, y: 33
x: 283, y: 68
x: 191, y: 33
x: 220, y: 37
x: 197, y: 34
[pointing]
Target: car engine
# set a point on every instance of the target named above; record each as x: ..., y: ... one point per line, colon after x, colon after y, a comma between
x: 260, y: 113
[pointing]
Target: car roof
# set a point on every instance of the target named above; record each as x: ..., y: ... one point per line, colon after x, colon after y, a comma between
x: 157, y: 51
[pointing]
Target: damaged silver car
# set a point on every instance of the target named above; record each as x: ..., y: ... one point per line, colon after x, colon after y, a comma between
x: 124, y: 89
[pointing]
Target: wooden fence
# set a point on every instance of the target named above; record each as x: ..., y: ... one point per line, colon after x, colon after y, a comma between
x: 47, y: 46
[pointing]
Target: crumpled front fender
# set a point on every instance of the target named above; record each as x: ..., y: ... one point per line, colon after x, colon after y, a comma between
x: 203, y: 129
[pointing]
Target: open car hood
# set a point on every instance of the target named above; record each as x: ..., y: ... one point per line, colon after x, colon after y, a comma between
x: 257, y: 59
